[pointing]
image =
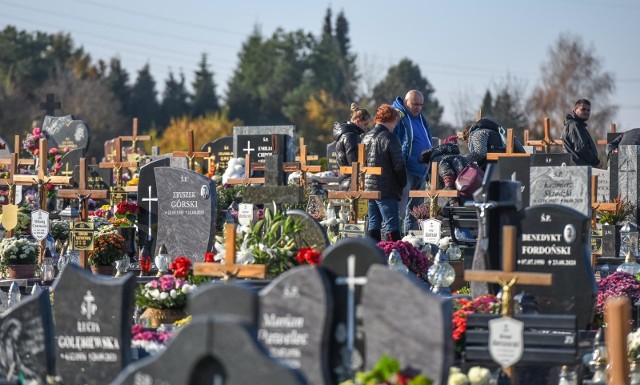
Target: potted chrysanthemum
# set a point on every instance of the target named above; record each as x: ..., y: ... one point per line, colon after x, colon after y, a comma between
x: 108, y: 247
x: 18, y: 257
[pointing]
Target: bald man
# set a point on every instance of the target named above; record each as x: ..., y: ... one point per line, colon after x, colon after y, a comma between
x: 415, y: 136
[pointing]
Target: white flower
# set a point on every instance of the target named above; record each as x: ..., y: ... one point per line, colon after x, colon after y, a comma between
x: 164, y: 296
x: 173, y: 293
x: 187, y: 288
x: 458, y: 379
x: 154, y: 293
x: 244, y: 257
x: 479, y: 376
x: 443, y: 243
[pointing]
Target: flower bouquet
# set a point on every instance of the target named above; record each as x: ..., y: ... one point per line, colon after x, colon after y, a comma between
x: 166, y: 292
x: 617, y: 284
x: 108, y: 247
x: 126, y: 214
x: 387, y: 371
x: 151, y: 341
x: 463, y: 307
x: 414, y: 259
x: 308, y: 256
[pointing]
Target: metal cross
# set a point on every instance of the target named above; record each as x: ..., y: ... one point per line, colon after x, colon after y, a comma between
x: 248, y: 149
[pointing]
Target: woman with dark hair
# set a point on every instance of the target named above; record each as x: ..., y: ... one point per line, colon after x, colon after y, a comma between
x: 382, y: 149
x: 347, y: 137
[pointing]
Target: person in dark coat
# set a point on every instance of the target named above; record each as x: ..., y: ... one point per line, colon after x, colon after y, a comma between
x: 450, y: 161
x: 484, y: 137
x: 631, y: 137
x: 347, y: 136
x: 576, y: 140
x: 383, y: 149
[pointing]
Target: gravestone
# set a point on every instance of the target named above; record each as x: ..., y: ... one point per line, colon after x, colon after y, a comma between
x: 425, y: 321
x: 624, y: 167
x: 517, y: 169
x: 295, y: 316
x: 332, y: 162
x: 347, y: 263
x: 568, y: 186
x: 256, y: 140
x: 93, y: 325
x: 273, y: 191
x: 233, y: 298
x: 98, y: 178
x: 66, y: 132
x: 211, y: 350
x: 69, y: 162
x: 556, y: 239
x: 222, y: 149
x: 186, y: 212
x: 27, y: 340
x: 312, y: 233
x: 604, y: 190
x: 5, y: 148
x: 551, y: 159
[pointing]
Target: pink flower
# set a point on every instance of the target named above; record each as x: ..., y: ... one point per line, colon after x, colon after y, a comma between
x: 53, y: 151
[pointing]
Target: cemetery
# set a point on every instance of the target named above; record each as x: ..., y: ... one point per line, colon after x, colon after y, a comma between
x: 240, y: 260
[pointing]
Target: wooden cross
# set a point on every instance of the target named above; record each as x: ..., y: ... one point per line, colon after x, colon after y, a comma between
x: 49, y: 105
x: 82, y: 193
x: 229, y: 269
x: 248, y: 167
x: 617, y: 318
x: 432, y: 192
x: 612, y: 131
x: 546, y: 141
x: 191, y: 153
x: 301, y: 164
x: 356, y: 188
x: 117, y: 164
x: 508, y: 277
x: 211, y: 161
x: 509, y: 150
x: 134, y: 137
x: 16, y: 148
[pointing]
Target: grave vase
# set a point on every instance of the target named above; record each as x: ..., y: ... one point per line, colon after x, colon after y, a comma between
x: 21, y: 271
x: 153, y: 318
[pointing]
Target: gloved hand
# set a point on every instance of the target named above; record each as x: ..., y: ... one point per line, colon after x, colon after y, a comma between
x: 425, y: 156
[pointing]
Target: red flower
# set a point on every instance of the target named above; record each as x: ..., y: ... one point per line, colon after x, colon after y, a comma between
x: 126, y: 208
x: 208, y: 256
x: 307, y: 255
x: 180, y: 267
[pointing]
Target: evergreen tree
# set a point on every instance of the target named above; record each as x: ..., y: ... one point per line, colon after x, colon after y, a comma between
x: 143, y: 103
x: 487, y: 104
x: 118, y: 82
x: 342, y: 34
x: 175, y: 101
x: 204, y: 91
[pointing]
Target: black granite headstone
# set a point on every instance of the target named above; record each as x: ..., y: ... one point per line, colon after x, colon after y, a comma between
x: 295, y: 316
x: 27, y: 344
x: 332, y: 161
x: 216, y: 350
x: 186, y: 212
x: 556, y: 239
x: 66, y: 132
x: 230, y: 298
x: 99, y: 178
x: 425, y: 321
x: 517, y: 169
x: 262, y: 138
x: 222, y: 149
x: 93, y: 325
x: 312, y: 234
x: 69, y: 162
x: 347, y: 263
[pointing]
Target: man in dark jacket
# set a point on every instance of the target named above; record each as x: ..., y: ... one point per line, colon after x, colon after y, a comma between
x: 576, y: 140
x: 631, y: 137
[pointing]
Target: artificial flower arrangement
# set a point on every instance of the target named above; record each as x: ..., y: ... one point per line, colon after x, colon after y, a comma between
x: 617, y: 284
x: 421, y: 211
x: 308, y: 256
x: 59, y: 230
x: 18, y: 251
x: 181, y: 267
x: 463, y: 307
x: 387, y: 371
x: 108, y: 247
x: 152, y: 341
x: 412, y: 257
x: 125, y: 214
x: 166, y: 292
x: 624, y: 211
x: 477, y: 375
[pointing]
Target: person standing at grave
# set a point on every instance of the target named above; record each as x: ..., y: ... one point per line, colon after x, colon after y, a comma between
x: 383, y: 149
x: 630, y: 137
x: 347, y: 136
x: 576, y: 140
x: 415, y: 137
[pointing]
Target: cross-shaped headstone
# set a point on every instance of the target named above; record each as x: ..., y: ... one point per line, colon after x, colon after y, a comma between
x: 546, y: 141
x: 82, y: 193
x: 508, y: 277
x: 50, y: 105
x: 149, y: 199
x: 134, y: 138
x: 118, y: 163
x: 355, y: 192
x: 229, y: 269
x: 301, y: 164
x: 190, y: 154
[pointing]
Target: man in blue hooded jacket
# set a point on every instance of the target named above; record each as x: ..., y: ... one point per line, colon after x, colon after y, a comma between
x: 415, y: 136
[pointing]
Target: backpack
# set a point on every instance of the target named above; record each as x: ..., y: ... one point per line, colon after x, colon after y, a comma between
x: 490, y: 125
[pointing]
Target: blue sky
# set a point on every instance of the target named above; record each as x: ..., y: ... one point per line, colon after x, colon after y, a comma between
x: 462, y: 47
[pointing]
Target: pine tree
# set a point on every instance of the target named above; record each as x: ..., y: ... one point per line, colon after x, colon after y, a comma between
x: 143, y: 103
x: 175, y: 101
x: 204, y: 91
x: 117, y: 81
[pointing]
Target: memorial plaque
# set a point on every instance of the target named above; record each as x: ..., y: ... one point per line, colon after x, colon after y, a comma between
x: 431, y: 231
x: 117, y: 195
x: 39, y: 224
x: 93, y: 326
x: 66, y: 133
x: 262, y: 137
x: 556, y: 239
x: 351, y: 230
x: 295, y: 316
x: 332, y: 161
x: 567, y: 186
x: 222, y: 149
x: 186, y: 212
x: 81, y: 235
x: 246, y: 213
x: 603, y: 193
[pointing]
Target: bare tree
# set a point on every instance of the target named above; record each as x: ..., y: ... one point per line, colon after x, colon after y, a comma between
x: 572, y: 72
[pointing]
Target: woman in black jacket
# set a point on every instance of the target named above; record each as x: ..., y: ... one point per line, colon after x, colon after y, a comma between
x: 382, y: 149
x: 347, y: 137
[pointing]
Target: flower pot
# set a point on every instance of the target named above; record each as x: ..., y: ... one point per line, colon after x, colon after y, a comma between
x: 459, y: 282
x: 104, y: 270
x: 21, y: 271
x: 155, y: 317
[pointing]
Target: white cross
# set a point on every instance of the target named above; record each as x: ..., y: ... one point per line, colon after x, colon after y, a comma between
x: 248, y: 149
x: 149, y: 199
x: 351, y: 281
x: 87, y: 307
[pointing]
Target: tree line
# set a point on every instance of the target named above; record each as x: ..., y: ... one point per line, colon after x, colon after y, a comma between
x: 286, y: 78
